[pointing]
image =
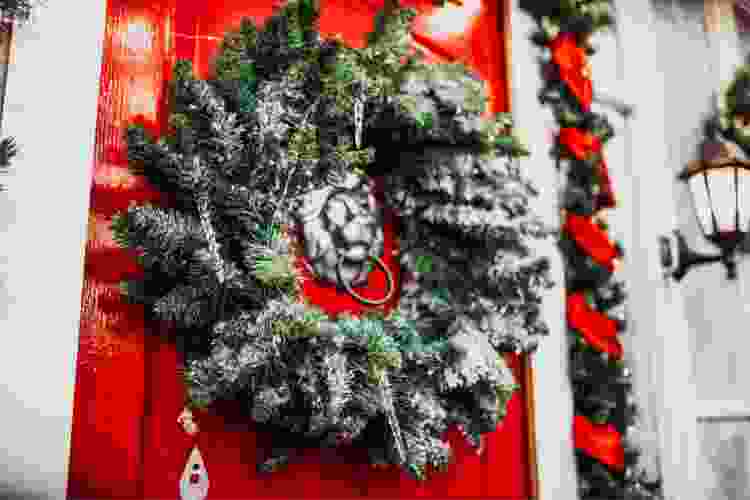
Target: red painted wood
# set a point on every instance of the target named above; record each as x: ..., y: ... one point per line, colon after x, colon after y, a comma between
x: 126, y: 441
x: 481, y: 44
x: 107, y: 436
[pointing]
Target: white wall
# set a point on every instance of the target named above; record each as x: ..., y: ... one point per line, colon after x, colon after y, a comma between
x: 715, y: 308
x: 635, y: 64
x: 50, y: 108
x: 715, y: 305
x: 661, y: 63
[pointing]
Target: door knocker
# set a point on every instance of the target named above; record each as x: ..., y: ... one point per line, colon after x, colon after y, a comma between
x: 342, y: 231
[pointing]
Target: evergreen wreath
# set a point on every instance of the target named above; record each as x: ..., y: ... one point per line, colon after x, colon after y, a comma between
x: 605, y: 412
x: 16, y: 11
x: 268, y: 163
x: 731, y: 122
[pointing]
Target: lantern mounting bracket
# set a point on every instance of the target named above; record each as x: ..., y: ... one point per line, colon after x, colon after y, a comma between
x: 677, y: 258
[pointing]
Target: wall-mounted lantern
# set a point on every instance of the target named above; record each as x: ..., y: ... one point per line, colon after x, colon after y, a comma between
x: 720, y: 187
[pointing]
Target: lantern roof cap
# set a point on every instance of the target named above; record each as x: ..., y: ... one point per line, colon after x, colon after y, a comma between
x: 717, y: 153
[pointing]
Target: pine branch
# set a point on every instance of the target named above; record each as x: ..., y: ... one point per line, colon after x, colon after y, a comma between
x: 189, y: 305
x: 480, y: 224
x: 166, y: 239
x: 157, y: 161
x: 8, y: 151
x: 17, y: 10
x: 221, y: 142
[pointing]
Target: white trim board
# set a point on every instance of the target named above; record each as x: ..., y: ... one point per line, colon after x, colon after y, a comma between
x: 50, y: 109
x: 722, y: 410
x: 553, y: 399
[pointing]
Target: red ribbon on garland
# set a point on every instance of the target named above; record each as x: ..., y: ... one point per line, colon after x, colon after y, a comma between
x: 582, y: 144
x: 600, y: 441
x: 573, y: 66
x: 598, y: 330
x: 592, y: 239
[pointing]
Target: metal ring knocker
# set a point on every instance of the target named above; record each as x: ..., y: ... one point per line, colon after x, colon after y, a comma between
x: 369, y: 302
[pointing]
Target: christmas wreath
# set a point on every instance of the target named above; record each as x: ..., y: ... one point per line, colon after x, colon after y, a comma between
x: 16, y: 11
x: 270, y: 168
x: 731, y: 122
x: 605, y: 413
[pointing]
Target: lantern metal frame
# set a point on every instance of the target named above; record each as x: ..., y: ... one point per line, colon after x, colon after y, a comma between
x: 679, y: 257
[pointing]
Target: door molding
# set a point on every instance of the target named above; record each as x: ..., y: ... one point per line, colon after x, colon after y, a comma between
x: 722, y: 410
x: 51, y: 113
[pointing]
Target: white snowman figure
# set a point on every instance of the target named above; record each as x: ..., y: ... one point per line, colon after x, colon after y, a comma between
x: 194, y: 481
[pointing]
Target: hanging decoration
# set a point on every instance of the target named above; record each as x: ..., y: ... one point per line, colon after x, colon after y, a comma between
x: 194, y: 482
x: 604, y: 413
x: 280, y: 168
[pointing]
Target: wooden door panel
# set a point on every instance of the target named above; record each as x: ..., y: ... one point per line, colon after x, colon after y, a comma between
x: 140, y: 396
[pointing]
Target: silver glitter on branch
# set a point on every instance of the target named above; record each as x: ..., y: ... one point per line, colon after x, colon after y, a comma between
x: 204, y: 212
x: 390, y: 413
x: 359, y: 116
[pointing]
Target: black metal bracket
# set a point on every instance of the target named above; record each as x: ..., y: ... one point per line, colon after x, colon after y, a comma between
x: 687, y: 258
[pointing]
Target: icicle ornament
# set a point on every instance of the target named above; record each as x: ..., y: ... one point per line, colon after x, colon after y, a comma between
x: 359, y: 115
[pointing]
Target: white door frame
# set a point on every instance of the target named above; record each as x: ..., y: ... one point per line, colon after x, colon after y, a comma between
x: 50, y: 109
x: 552, y: 395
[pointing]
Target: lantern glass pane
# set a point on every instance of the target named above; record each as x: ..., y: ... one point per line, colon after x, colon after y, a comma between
x: 701, y: 202
x: 743, y: 198
x: 721, y: 185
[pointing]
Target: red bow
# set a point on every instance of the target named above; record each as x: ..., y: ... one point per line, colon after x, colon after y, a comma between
x: 573, y: 66
x: 599, y: 441
x: 592, y: 239
x: 597, y: 329
x: 581, y: 144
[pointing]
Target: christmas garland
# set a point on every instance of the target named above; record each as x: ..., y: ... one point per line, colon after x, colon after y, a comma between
x: 732, y: 118
x: 604, y: 411
x: 267, y: 168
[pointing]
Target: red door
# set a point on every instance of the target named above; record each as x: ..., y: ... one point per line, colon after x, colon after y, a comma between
x: 126, y: 442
